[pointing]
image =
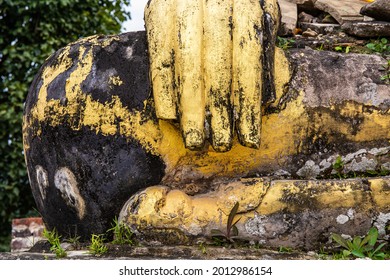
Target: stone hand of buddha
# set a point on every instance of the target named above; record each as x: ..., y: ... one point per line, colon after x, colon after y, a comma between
x: 210, y: 63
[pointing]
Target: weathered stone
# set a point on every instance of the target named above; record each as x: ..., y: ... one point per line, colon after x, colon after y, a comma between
x: 84, y: 159
x: 309, y: 33
x: 295, y: 214
x: 379, y: 10
x: 92, y: 140
x: 289, y: 17
x: 342, y: 11
x: 210, y: 42
x: 153, y: 252
x: 320, y: 28
x: 304, y: 17
x: 306, y: 5
x: 367, y: 29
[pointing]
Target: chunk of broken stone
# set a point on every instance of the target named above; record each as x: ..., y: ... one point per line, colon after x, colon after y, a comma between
x: 367, y: 29
x: 342, y: 11
x: 379, y: 10
x: 304, y: 17
x: 320, y: 28
x: 289, y: 18
x: 309, y: 33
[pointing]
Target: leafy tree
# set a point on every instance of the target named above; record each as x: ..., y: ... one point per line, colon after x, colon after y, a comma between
x: 30, y: 30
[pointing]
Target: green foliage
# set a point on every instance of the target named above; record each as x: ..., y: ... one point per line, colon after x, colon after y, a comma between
x: 74, y: 240
x: 361, y: 247
x: 338, y: 166
x: 231, y: 228
x: 284, y: 43
x: 122, y: 234
x: 55, y: 241
x: 97, y: 246
x: 343, y: 49
x: 386, y: 77
x: 29, y: 32
x: 379, y: 46
x: 203, y: 248
x: 283, y: 249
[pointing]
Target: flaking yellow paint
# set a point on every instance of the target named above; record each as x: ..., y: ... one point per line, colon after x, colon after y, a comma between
x: 202, y: 213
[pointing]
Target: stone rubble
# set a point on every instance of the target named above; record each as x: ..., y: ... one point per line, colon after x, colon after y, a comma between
x: 357, y: 18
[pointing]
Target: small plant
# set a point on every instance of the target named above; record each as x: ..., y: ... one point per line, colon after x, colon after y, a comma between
x: 231, y: 228
x: 284, y: 43
x: 361, y: 247
x: 342, y: 49
x: 379, y: 46
x: 54, y: 239
x: 386, y: 77
x: 97, y: 246
x: 283, y: 249
x: 74, y: 240
x: 122, y: 234
x: 338, y: 166
x: 320, y: 48
x: 203, y: 248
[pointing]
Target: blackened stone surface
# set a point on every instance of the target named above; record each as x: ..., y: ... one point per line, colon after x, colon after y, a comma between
x: 71, y: 164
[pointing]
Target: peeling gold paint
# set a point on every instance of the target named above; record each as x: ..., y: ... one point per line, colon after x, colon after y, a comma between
x: 202, y: 213
x: 161, y: 50
x: 282, y: 73
x: 115, y: 80
x: 353, y: 121
x: 163, y: 207
x: 282, y: 133
x: 247, y: 70
x: 206, y: 66
x: 108, y: 119
x: 381, y: 193
x: 217, y: 61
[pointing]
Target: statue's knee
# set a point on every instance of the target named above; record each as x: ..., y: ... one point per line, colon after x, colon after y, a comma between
x: 86, y: 154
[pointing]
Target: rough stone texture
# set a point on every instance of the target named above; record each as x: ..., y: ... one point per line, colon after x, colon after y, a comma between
x: 320, y: 28
x: 330, y: 78
x: 379, y: 10
x: 342, y: 11
x: 168, y: 253
x: 92, y: 140
x: 25, y: 233
x: 306, y: 5
x: 80, y: 177
x: 289, y: 213
x: 289, y: 17
x: 367, y: 29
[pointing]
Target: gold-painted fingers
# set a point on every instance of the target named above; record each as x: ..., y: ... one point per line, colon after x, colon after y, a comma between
x: 161, y: 55
x: 217, y: 61
x: 209, y: 64
x: 247, y: 70
x: 189, y: 72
